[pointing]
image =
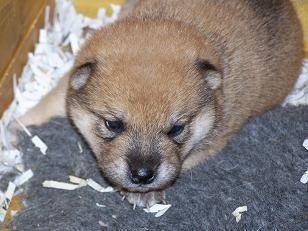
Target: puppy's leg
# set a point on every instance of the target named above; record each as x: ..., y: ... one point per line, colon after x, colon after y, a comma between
x: 53, y: 104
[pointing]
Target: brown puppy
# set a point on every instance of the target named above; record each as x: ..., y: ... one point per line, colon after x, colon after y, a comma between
x: 164, y: 87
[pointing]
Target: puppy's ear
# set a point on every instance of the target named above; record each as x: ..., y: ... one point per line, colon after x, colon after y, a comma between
x: 211, y: 73
x: 81, y: 74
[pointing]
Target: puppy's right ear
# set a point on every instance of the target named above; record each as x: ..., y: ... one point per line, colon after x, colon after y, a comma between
x: 80, y: 75
x: 211, y: 73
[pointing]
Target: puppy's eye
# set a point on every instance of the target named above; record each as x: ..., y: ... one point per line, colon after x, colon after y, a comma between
x: 116, y: 126
x: 176, y: 130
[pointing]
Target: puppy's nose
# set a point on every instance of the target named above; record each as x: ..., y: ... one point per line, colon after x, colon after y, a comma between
x: 142, y: 175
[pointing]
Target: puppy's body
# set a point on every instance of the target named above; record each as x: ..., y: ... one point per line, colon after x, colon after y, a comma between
x: 203, y: 67
x: 259, y: 44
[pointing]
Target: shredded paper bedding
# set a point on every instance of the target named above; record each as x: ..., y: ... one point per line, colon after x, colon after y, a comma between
x: 52, y: 57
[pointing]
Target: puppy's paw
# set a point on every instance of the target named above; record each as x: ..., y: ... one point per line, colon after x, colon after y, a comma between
x: 145, y: 199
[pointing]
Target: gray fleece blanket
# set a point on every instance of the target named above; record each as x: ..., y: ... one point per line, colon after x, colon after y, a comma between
x: 260, y: 167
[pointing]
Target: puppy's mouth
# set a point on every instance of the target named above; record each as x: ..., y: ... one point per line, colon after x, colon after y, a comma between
x: 141, y: 189
x: 146, y: 188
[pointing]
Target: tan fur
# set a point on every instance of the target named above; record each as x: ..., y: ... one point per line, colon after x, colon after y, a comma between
x: 52, y: 104
x: 142, y: 70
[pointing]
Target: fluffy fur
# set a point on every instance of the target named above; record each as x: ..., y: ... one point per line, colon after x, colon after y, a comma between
x: 206, y: 65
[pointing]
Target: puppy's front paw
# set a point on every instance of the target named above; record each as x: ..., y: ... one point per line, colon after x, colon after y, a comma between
x: 145, y: 199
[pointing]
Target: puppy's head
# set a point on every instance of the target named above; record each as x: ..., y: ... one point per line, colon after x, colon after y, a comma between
x: 141, y: 95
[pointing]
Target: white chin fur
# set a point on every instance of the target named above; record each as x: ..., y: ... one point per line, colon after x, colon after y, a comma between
x: 85, y: 122
x: 200, y: 128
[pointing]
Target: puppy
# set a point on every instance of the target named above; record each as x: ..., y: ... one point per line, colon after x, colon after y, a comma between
x: 165, y: 87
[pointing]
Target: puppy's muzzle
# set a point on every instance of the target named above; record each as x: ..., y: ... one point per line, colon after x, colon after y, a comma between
x: 142, y: 168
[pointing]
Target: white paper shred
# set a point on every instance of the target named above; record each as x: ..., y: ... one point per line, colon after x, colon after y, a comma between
x: 5, y: 203
x: 39, y: 144
x: 23, y: 178
x: 299, y: 94
x: 158, y: 209
x: 20, y: 167
x: 60, y: 185
x: 26, y: 130
x: 100, y: 205
x: 10, y: 158
x: 103, y: 224
x: 74, y: 43
x: 98, y: 187
x: 238, y: 213
x: 79, y: 147
x: 305, y: 144
x: 75, y: 183
x: 77, y: 180
x: 37, y: 141
x: 304, y: 178
x: 43, y: 36
x: 52, y: 58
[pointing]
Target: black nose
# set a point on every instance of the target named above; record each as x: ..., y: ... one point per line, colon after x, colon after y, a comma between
x: 142, y: 175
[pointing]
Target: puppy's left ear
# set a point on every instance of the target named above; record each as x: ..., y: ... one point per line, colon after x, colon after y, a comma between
x: 211, y: 73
